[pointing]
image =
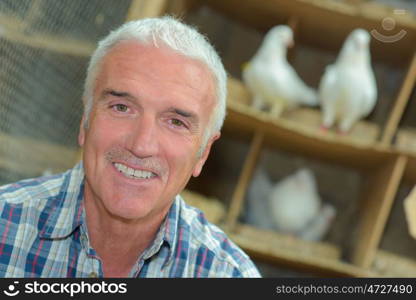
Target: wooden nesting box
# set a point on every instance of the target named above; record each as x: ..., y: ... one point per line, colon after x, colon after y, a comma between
x: 396, y: 253
x: 375, y: 156
x: 356, y: 242
x: 240, y: 33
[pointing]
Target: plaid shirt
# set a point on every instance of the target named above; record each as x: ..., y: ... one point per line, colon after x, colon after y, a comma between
x: 43, y: 234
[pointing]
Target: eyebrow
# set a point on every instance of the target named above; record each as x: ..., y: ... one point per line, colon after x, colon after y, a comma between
x: 111, y: 92
x: 181, y: 112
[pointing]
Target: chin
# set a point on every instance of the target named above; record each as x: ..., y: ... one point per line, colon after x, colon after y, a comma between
x: 128, y: 213
x: 132, y: 207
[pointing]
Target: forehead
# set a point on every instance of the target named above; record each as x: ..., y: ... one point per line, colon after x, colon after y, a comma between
x: 132, y: 58
x: 159, y: 72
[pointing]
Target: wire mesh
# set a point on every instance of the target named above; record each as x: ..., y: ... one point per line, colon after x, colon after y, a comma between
x: 44, y: 50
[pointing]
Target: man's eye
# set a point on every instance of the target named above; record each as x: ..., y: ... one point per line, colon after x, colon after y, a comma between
x: 177, y: 122
x: 120, y: 107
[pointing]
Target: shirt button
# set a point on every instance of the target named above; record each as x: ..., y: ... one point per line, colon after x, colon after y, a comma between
x: 93, y: 275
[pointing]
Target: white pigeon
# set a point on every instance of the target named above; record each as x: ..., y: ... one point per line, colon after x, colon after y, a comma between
x: 347, y: 90
x: 295, y: 202
x: 292, y: 206
x: 257, y: 208
x: 271, y: 80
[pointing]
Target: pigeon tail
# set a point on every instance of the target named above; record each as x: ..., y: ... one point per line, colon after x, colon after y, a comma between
x: 319, y: 226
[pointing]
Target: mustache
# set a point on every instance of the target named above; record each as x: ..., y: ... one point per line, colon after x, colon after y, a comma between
x: 149, y: 163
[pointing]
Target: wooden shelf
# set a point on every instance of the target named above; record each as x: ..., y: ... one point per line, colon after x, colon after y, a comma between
x: 381, y: 167
x: 303, y: 120
x: 12, y: 29
x: 237, y: 201
x: 15, y: 30
x: 400, y: 104
x: 377, y: 200
x: 387, y: 264
x: 406, y: 140
x: 321, y: 258
x: 31, y: 157
x: 146, y: 9
x: 294, y: 132
x: 314, y: 15
x: 213, y: 209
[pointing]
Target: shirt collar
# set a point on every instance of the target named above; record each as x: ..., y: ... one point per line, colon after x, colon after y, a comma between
x: 64, y: 212
x: 167, y: 231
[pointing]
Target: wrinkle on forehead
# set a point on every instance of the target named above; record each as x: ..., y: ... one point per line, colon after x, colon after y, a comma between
x: 131, y: 52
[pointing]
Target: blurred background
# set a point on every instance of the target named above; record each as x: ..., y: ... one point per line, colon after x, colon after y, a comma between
x: 359, y: 180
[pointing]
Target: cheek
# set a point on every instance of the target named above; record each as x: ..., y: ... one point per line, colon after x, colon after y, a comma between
x: 98, y: 140
x: 182, y: 158
x: 102, y: 132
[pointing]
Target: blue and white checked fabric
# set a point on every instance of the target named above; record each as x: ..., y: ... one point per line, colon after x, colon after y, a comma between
x: 43, y: 234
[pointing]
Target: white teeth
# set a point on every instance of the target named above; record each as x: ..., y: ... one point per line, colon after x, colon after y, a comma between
x: 132, y: 173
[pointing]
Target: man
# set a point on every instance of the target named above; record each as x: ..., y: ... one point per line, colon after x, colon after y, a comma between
x: 154, y: 104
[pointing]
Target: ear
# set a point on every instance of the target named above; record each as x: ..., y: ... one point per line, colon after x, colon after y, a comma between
x: 81, y: 135
x: 204, y: 156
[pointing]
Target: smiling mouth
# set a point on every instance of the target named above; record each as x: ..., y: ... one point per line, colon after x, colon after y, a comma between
x: 132, y: 173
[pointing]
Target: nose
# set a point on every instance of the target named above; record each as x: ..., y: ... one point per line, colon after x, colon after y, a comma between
x: 143, y: 140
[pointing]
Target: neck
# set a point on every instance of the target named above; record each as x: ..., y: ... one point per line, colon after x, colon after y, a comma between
x: 272, y: 53
x: 353, y: 58
x: 118, y: 242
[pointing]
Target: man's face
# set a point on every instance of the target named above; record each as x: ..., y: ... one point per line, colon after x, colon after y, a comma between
x: 151, y: 109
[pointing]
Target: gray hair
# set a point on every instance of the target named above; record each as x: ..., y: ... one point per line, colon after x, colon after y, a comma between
x: 179, y: 37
